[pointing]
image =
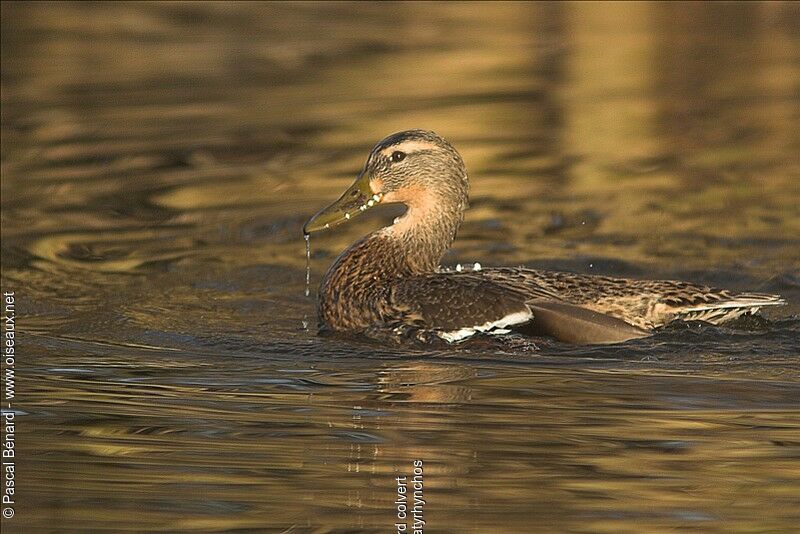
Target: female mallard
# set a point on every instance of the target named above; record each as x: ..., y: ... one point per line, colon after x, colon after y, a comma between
x: 390, y: 283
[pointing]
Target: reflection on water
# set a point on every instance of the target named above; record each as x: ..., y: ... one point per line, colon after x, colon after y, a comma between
x: 158, y: 161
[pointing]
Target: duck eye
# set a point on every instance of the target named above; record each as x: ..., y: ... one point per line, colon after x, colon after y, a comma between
x: 397, y: 156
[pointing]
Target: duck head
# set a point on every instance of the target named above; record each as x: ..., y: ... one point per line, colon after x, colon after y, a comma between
x: 415, y: 167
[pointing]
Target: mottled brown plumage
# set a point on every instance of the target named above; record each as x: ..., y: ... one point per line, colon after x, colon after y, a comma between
x: 643, y: 303
x: 389, y: 284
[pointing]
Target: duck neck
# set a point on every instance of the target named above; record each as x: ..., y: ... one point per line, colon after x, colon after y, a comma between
x: 425, y: 231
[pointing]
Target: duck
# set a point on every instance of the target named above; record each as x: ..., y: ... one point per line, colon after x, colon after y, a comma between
x: 389, y: 285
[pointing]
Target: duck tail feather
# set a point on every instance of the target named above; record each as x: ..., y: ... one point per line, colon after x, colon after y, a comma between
x: 741, y: 300
x: 725, y: 310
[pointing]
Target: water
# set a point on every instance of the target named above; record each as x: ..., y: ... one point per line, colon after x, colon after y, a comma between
x: 308, y: 276
x: 159, y: 160
x: 308, y: 263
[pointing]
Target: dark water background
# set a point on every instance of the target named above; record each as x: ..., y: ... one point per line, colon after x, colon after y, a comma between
x: 159, y: 159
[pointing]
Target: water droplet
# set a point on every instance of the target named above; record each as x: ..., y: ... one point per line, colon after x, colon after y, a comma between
x: 308, y: 262
x: 308, y: 276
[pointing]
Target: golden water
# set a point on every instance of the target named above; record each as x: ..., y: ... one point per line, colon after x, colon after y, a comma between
x: 159, y: 160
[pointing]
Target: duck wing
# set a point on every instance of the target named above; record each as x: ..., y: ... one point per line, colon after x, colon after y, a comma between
x: 458, y: 305
x: 576, y: 324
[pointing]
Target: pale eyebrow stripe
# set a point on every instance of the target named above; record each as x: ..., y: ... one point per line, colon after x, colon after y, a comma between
x: 409, y: 147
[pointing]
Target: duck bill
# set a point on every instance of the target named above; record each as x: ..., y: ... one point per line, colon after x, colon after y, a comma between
x: 356, y: 200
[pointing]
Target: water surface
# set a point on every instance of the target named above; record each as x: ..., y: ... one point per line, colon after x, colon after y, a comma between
x: 159, y: 160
